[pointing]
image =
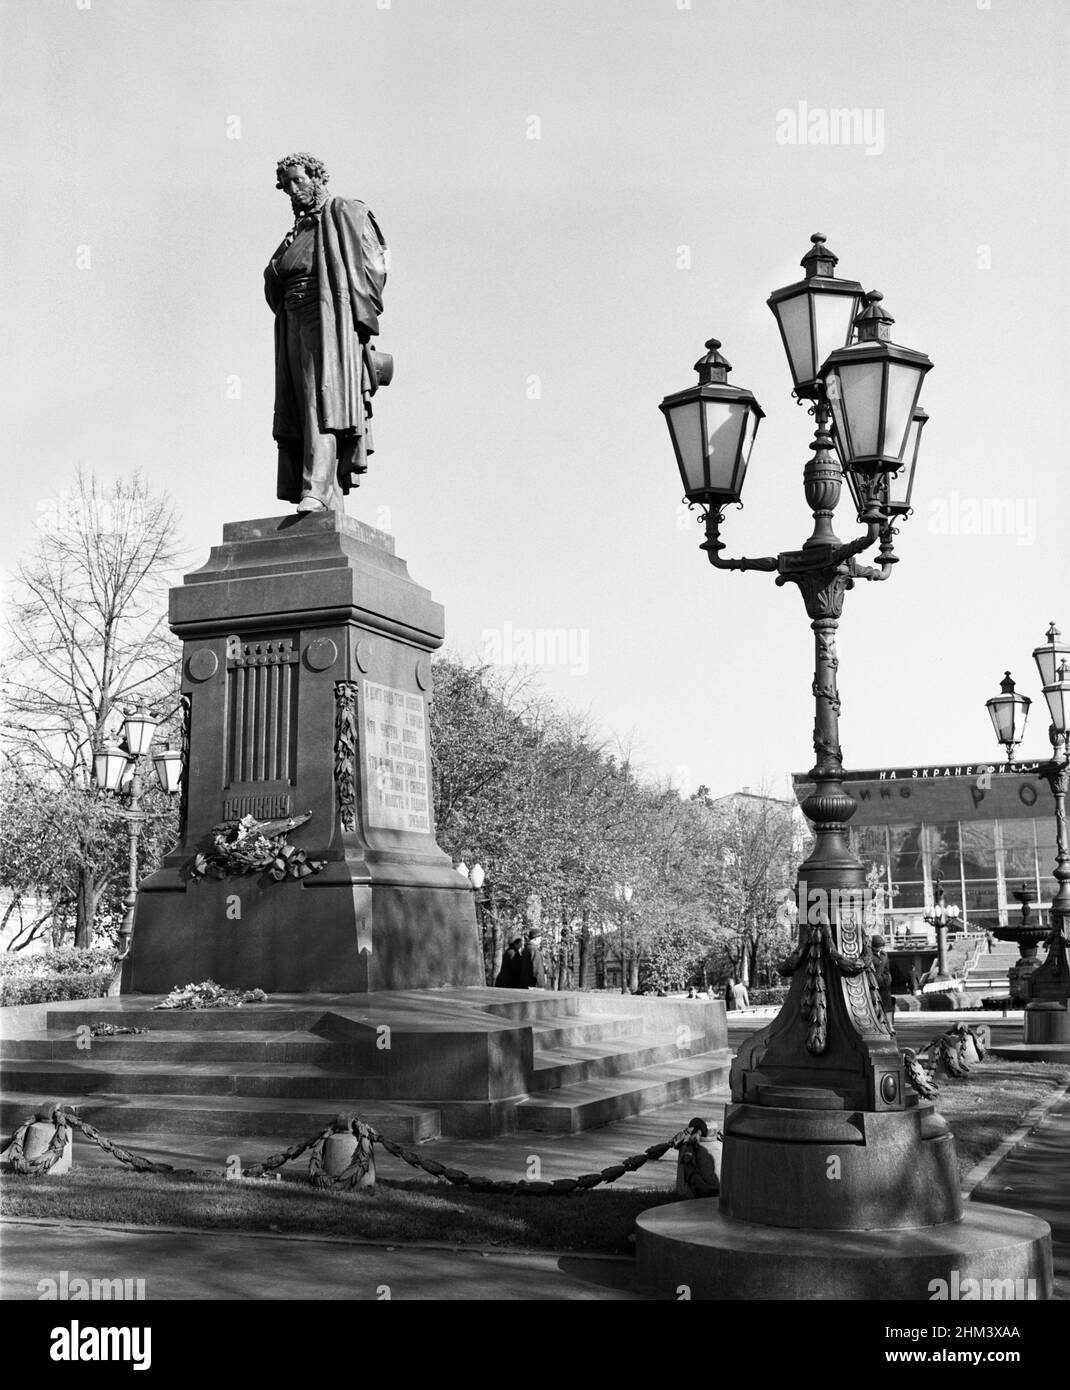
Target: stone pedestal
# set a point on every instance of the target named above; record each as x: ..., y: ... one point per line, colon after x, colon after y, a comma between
x: 306, y: 679
x: 991, y: 1254
x: 821, y: 1199
x: 1047, y: 1021
x: 1020, y: 976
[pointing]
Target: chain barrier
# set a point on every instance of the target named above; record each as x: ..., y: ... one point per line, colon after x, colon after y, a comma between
x: 366, y: 1137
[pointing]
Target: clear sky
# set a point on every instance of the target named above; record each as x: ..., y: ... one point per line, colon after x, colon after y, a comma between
x: 576, y: 194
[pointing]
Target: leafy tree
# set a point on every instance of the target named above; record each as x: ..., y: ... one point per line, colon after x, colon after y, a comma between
x: 87, y: 633
x: 758, y: 850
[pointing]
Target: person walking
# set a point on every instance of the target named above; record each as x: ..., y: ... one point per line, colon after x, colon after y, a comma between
x: 509, y: 975
x: 532, y: 973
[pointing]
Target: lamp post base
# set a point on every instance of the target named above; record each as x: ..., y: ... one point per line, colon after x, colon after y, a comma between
x: 992, y: 1253
x: 837, y: 1169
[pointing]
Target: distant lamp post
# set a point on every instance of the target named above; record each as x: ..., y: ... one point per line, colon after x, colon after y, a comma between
x: 117, y: 770
x: 477, y: 877
x: 1047, y: 1016
x: 938, y: 916
x: 623, y: 893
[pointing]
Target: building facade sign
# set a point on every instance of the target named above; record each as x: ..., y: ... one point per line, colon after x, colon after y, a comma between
x: 982, y: 830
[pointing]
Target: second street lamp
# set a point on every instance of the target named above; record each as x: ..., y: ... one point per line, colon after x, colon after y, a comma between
x: 1047, y: 1014
x: 118, y: 771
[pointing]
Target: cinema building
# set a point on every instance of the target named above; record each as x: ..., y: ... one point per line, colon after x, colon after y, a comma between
x: 984, y: 829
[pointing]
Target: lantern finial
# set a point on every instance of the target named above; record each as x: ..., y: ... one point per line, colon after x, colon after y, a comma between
x: 874, y: 322
x: 713, y: 367
x: 820, y: 259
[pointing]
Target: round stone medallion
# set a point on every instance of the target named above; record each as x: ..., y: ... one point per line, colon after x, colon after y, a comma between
x: 202, y: 665
x: 320, y: 653
x: 364, y: 654
x: 423, y: 673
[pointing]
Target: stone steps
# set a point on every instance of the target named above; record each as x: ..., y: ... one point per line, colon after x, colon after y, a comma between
x: 459, y: 1065
x: 580, y: 1029
x: 278, y: 1080
x: 566, y: 1066
x: 585, y: 1104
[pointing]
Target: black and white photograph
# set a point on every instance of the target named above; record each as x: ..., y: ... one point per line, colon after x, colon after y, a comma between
x: 535, y: 721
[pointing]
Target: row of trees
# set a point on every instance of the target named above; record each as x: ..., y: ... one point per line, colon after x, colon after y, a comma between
x: 622, y: 874
x: 627, y: 878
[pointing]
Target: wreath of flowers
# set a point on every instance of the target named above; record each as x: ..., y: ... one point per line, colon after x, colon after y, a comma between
x: 209, y: 995
x: 242, y: 847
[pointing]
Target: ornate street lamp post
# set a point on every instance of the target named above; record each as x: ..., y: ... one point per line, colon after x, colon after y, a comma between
x: 118, y: 771
x: 822, y: 1136
x: 477, y: 877
x: 938, y: 916
x: 623, y: 893
x: 1047, y: 1014
x: 832, y: 1032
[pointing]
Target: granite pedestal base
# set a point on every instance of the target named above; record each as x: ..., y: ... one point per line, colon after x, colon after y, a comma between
x: 693, y: 1245
x: 306, y: 681
x: 837, y: 1169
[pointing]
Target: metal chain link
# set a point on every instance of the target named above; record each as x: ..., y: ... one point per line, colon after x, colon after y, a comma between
x: 365, y: 1135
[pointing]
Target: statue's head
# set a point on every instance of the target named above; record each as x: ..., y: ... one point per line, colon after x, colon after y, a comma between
x: 303, y: 178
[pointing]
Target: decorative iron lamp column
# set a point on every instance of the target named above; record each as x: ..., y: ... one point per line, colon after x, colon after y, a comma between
x: 937, y: 917
x: 1047, y: 1015
x: 823, y: 1136
x: 118, y: 771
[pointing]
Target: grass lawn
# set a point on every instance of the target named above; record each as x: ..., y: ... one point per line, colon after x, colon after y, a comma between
x: 982, y: 1109
x: 990, y: 1103
x: 597, y: 1221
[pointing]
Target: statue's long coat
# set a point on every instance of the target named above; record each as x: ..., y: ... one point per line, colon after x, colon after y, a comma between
x: 351, y: 269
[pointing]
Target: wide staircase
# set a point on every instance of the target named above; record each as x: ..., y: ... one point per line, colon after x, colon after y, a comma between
x: 418, y: 1065
x: 989, y: 970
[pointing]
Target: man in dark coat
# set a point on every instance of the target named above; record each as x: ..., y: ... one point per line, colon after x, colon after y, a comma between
x: 532, y: 970
x: 325, y: 287
x: 698, y: 1167
x: 882, y: 975
x: 509, y: 974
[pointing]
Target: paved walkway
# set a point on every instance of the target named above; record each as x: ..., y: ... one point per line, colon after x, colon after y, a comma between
x: 206, y: 1265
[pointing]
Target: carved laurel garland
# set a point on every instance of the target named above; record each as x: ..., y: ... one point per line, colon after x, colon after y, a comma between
x: 814, y: 954
x: 345, y: 751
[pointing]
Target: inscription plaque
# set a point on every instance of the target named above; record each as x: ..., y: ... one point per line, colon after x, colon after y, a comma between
x: 395, y: 751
